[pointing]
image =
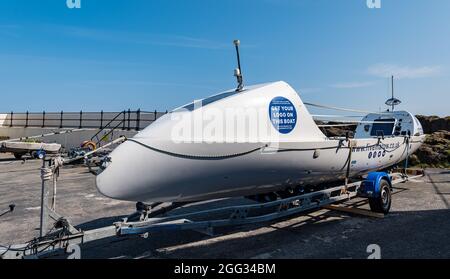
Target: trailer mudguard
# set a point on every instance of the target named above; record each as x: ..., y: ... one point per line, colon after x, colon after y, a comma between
x: 370, y: 187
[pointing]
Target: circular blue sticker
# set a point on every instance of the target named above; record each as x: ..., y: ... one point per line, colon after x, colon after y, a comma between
x: 282, y: 115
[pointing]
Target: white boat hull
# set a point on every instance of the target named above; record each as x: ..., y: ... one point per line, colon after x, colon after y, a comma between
x: 165, y: 177
x: 287, y: 150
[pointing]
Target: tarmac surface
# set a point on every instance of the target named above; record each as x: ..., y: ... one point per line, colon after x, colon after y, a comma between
x: 418, y: 225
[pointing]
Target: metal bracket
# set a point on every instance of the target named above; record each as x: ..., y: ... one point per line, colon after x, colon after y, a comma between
x: 240, y: 213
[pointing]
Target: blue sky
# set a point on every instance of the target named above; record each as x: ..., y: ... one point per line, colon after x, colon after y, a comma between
x: 120, y: 54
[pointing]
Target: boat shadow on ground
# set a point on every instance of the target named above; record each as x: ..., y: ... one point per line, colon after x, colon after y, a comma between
x: 311, y: 234
x: 409, y: 234
x: 156, y: 244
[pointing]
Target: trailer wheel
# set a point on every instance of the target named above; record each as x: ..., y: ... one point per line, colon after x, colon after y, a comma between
x: 382, y: 204
x: 18, y: 155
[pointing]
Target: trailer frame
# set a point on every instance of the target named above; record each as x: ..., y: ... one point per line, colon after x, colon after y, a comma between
x: 63, y: 237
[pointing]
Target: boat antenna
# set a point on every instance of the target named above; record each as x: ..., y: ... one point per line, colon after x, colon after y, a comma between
x: 392, y: 90
x: 237, y: 71
x: 393, y: 101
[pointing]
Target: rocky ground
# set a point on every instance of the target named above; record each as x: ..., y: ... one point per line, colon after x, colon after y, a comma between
x: 435, y: 152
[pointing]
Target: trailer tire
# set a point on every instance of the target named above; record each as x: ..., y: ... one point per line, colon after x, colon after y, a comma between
x: 18, y: 156
x: 382, y: 204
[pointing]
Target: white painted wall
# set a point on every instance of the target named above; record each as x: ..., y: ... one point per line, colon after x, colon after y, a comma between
x: 3, y: 117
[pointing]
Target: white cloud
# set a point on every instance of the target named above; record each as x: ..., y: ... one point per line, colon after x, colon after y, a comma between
x: 309, y: 90
x: 387, y: 70
x: 122, y: 36
x: 140, y: 38
x: 349, y: 85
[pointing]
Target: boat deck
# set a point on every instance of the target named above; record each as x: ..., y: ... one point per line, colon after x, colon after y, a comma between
x: 417, y: 226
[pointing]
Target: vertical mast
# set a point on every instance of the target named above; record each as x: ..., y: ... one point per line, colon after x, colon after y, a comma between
x: 392, y: 84
x: 392, y: 102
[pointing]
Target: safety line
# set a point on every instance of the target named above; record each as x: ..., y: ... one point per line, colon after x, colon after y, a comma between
x: 343, y: 109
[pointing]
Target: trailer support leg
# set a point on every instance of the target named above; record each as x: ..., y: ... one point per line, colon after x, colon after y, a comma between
x: 49, y: 169
x: 46, y: 176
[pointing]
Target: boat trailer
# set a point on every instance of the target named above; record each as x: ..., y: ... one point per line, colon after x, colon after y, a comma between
x: 58, y: 236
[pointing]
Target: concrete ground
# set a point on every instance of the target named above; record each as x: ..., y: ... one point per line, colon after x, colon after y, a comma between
x: 417, y: 227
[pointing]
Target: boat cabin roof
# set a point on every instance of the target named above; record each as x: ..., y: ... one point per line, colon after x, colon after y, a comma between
x: 389, y: 124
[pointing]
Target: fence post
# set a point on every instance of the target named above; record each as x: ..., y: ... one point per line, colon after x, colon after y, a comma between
x: 138, y: 120
x: 26, y: 120
x: 12, y: 115
x: 101, y: 120
x: 129, y: 116
x: 124, y: 112
x: 43, y: 119
x: 61, y: 120
x: 81, y: 119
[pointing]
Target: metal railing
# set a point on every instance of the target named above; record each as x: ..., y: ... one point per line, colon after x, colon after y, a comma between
x: 124, y: 120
